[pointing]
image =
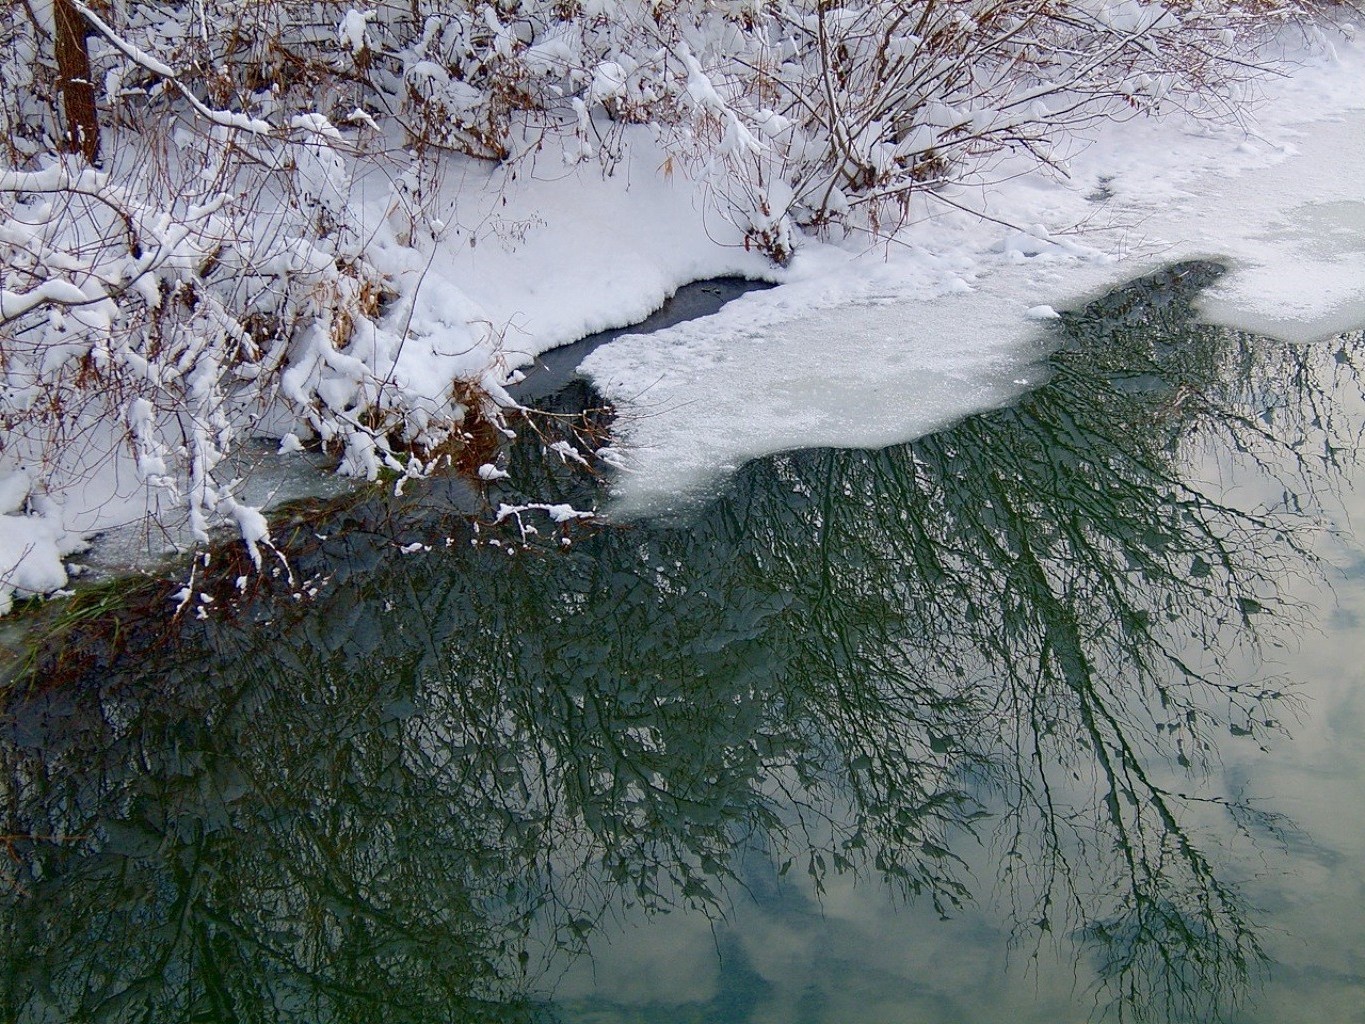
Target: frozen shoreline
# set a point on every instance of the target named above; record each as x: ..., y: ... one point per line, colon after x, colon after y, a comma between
x: 883, y: 347
x: 856, y: 345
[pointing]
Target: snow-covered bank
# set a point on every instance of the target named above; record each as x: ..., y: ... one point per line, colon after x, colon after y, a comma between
x: 866, y: 349
x: 531, y: 257
x: 335, y: 281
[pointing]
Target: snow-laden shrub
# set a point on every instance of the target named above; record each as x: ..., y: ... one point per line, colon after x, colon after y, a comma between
x: 214, y: 271
x: 807, y: 113
x: 846, y: 112
x: 209, y: 274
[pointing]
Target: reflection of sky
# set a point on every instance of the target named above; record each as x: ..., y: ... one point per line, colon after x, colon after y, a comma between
x: 853, y: 955
x: 784, y: 957
x: 1316, y: 901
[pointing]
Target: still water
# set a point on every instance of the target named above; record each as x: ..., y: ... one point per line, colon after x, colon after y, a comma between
x: 1055, y: 715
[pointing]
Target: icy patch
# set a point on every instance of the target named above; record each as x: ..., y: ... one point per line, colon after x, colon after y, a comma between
x: 1292, y: 233
x: 701, y: 398
x: 1306, y: 279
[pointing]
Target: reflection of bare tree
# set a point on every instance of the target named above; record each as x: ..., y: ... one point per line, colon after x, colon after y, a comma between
x: 1092, y: 608
x: 388, y: 806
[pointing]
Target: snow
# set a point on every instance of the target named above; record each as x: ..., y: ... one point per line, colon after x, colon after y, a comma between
x: 33, y: 546
x: 14, y: 491
x: 222, y: 118
x: 879, y: 347
x: 861, y: 344
x: 351, y: 32
x: 546, y: 253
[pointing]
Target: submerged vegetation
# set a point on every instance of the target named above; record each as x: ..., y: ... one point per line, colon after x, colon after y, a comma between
x: 410, y: 796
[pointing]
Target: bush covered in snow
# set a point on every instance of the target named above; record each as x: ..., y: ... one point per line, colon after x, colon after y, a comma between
x: 187, y: 257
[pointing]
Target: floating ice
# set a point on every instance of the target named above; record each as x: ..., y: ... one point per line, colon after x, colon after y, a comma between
x: 699, y: 399
x: 943, y: 336
x: 1304, y: 278
x: 1292, y: 233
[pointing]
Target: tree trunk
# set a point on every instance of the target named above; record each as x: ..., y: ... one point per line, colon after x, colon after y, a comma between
x: 73, y: 78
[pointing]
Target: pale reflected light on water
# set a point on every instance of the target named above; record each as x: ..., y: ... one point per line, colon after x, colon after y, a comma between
x: 1052, y: 715
x: 785, y: 953
x: 782, y: 954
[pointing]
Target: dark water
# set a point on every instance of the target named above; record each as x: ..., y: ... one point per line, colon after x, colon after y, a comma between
x: 555, y: 369
x: 1053, y: 715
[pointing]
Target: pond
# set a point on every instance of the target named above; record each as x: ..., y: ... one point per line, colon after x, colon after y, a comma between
x: 1052, y: 715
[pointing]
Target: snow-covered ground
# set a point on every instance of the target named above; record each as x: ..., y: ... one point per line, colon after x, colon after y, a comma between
x: 885, y: 345
x: 861, y: 343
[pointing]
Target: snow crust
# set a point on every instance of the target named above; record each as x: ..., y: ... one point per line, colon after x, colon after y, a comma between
x: 860, y: 344
x: 831, y: 358
x: 872, y: 348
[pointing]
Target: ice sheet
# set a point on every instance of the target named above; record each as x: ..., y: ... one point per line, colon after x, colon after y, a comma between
x: 877, y: 350
x: 700, y: 399
x: 1303, y: 278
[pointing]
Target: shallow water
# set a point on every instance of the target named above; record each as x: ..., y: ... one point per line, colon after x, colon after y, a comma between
x: 1053, y: 714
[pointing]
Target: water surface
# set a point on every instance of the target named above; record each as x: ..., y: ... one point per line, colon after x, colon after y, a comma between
x: 1051, y: 715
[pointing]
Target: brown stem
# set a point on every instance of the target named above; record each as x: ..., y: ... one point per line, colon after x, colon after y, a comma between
x: 73, y: 78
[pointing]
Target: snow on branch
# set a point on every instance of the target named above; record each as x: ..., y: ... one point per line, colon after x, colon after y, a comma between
x: 144, y: 60
x: 218, y: 263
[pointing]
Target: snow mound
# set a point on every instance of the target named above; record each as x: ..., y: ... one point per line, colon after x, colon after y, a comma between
x: 32, y: 545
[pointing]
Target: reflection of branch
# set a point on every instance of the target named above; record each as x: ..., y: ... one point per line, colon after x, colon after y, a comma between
x: 843, y: 665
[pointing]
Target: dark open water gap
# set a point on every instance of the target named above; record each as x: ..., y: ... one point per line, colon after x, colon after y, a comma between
x: 1003, y: 724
